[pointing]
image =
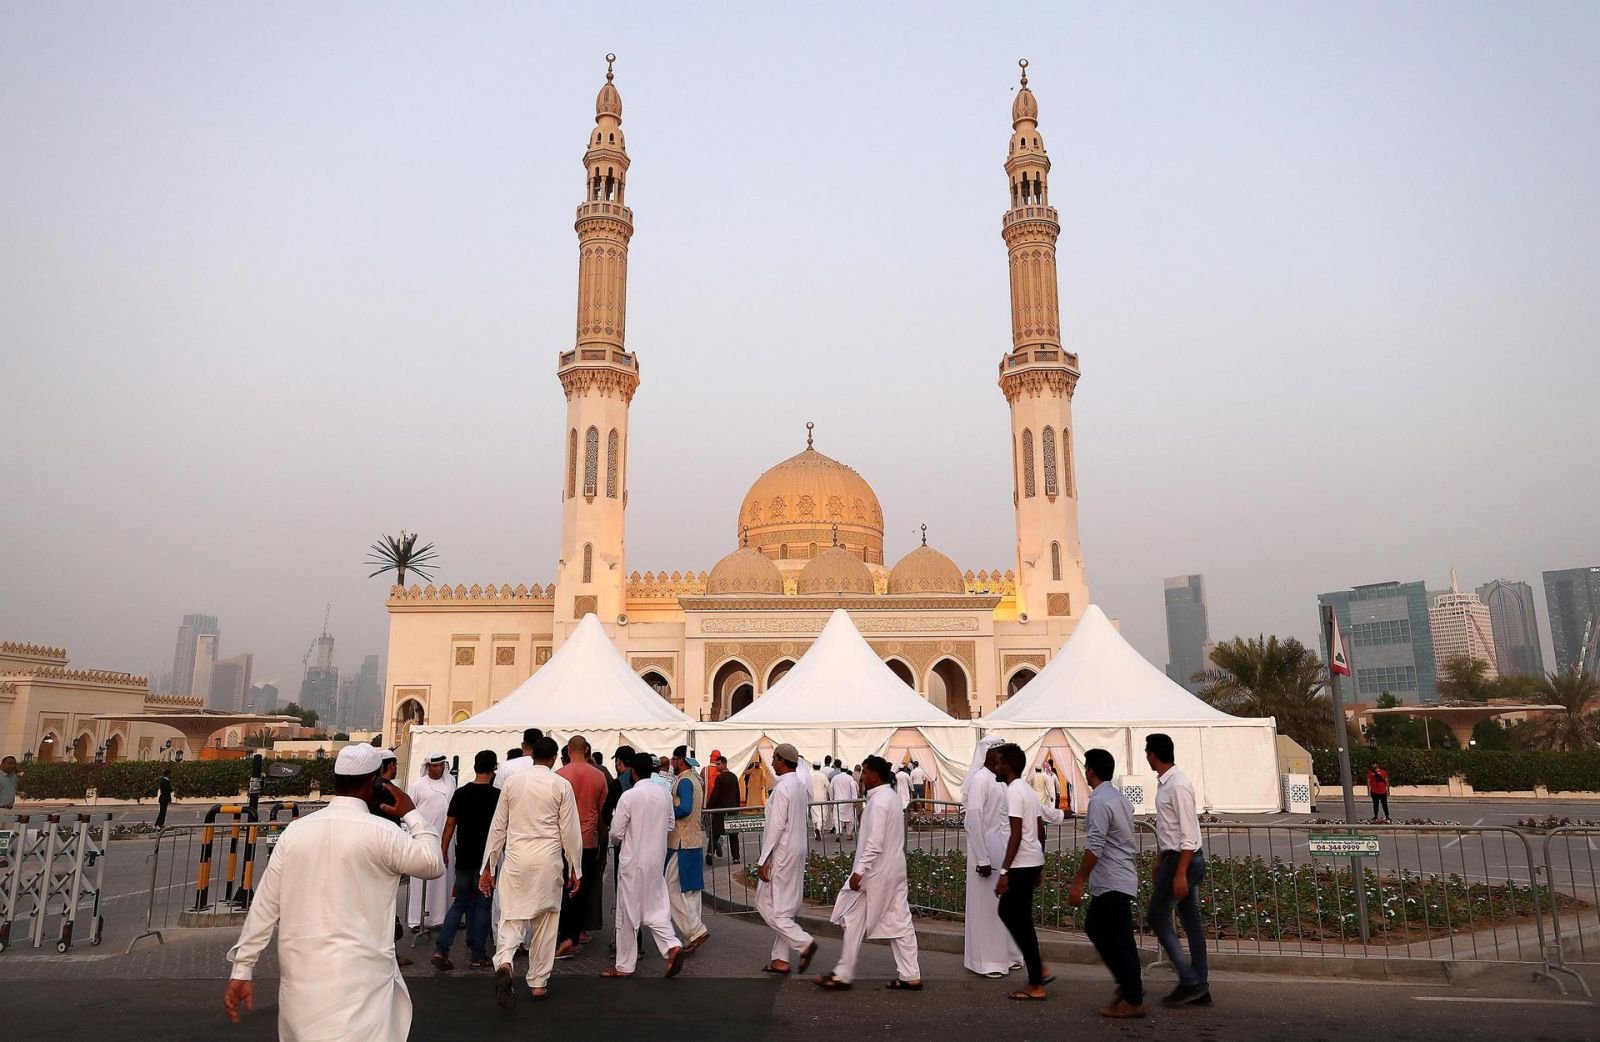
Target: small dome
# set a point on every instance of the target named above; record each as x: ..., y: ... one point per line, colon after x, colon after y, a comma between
x: 746, y: 570
x: 835, y: 570
x: 608, y: 102
x: 1024, y: 106
x: 926, y: 570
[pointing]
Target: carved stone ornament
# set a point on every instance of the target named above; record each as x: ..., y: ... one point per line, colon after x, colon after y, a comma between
x: 1059, y: 604
x: 466, y: 656
x: 584, y: 604
x: 505, y: 655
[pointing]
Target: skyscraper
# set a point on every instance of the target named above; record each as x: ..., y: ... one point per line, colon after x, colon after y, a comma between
x: 1188, y: 629
x: 1460, y: 626
x: 263, y: 697
x: 183, y: 656
x: 230, y: 683
x: 1514, y: 617
x: 1388, y: 640
x: 205, y: 658
x: 1572, y: 596
x: 319, y: 689
x: 368, y: 708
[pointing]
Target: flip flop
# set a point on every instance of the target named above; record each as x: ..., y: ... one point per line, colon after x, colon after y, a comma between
x: 769, y: 968
x: 828, y: 982
x: 614, y: 974
x: 807, y: 955
x: 1049, y: 980
x: 1022, y: 996
x: 674, y: 962
x: 902, y: 985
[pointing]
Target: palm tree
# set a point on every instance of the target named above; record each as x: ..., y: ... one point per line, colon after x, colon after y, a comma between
x: 1577, y: 726
x: 1265, y: 676
x: 400, y: 554
x: 1466, y: 679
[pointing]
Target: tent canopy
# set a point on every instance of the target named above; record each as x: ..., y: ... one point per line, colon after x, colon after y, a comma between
x: 1098, y: 678
x: 586, y: 683
x: 840, y: 682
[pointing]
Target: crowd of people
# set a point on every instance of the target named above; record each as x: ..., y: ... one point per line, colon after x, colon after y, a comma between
x: 517, y: 857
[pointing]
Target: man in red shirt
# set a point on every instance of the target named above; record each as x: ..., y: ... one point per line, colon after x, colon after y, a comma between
x: 1378, y: 789
x: 589, y: 785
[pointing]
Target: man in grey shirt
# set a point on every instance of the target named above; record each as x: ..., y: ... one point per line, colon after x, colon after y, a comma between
x: 10, y: 780
x: 1108, y: 868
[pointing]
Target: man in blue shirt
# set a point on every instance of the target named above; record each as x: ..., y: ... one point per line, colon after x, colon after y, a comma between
x: 1108, y: 867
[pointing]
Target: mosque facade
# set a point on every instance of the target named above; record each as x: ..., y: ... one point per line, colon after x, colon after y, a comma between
x: 809, y: 535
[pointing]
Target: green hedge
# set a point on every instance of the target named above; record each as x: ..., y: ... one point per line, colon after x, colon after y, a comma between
x: 1483, y: 770
x: 131, y: 779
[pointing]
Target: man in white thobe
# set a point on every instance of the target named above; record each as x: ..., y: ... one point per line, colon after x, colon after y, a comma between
x: 429, y: 900
x: 329, y: 890
x: 502, y: 777
x: 783, y: 860
x: 641, y: 824
x: 902, y: 787
x: 535, y: 826
x: 843, y: 790
x: 874, y: 903
x: 821, y: 814
x: 989, y: 947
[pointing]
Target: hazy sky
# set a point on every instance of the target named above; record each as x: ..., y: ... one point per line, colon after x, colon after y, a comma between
x: 277, y: 278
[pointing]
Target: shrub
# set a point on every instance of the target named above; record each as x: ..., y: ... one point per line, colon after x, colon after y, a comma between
x: 1484, y: 770
x: 135, y: 779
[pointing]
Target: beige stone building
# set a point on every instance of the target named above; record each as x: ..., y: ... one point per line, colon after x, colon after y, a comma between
x: 1462, y: 628
x: 809, y: 535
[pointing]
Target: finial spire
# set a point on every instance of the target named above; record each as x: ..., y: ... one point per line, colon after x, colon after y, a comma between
x: 1022, y: 63
x: 809, y: 428
x: 924, y: 534
x: 836, y: 533
x: 744, y: 536
x: 611, y: 59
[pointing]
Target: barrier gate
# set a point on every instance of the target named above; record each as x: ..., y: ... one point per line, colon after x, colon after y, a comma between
x: 57, y: 869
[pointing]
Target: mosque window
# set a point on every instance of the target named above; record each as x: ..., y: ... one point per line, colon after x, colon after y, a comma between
x: 611, y: 464
x: 1066, y: 459
x: 588, y: 562
x: 572, y: 463
x: 1029, y: 489
x: 591, y: 461
x: 1051, y: 487
x: 783, y: 551
x: 811, y: 551
x: 1055, y: 561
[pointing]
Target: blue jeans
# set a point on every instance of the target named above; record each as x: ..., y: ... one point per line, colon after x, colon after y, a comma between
x: 1191, y: 971
x: 471, y: 905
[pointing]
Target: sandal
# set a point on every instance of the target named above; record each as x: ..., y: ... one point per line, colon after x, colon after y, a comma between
x: 614, y: 974
x: 829, y: 982
x: 807, y: 955
x: 772, y: 967
x: 442, y: 963
x: 674, y: 962
x: 903, y: 985
x: 1023, y: 996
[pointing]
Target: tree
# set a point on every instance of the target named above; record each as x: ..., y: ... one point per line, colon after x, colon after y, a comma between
x: 400, y: 554
x: 1465, y: 680
x: 1265, y: 676
x: 308, y: 717
x: 1407, y: 732
x: 1577, y: 725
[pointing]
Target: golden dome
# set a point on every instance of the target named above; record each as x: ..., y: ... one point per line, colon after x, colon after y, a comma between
x: 746, y: 570
x: 926, y: 570
x: 835, y: 570
x: 809, y: 503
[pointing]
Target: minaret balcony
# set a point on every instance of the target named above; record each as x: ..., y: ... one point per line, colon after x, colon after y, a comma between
x: 1039, y: 356
x: 598, y: 356
x: 604, y: 208
x: 1023, y: 214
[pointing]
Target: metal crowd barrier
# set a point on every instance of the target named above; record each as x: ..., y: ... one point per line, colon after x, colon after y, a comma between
x: 55, y: 868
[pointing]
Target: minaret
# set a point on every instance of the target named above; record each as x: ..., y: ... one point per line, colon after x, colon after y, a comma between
x: 599, y: 377
x: 1038, y: 377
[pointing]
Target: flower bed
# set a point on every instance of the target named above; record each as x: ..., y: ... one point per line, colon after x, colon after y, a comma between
x: 1552, y: 821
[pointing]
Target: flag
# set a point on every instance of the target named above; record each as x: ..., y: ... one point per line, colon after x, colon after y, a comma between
x: 1338, y: 661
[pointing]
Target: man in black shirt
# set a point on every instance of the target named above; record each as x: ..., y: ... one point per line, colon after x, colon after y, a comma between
x: 467, y: 821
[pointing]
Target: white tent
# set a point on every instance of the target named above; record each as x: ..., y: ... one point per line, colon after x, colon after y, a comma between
x: 841, y: 699
x: 1099, y: 692
x: 586, y: 688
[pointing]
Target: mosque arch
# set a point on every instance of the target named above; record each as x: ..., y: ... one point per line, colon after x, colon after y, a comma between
x: 1051, y: 486
x: 731, y: 676
x: 1019, y: 679
x: 114, y: 749
x: 460, y: 716
x: 743, y: 695
x: 657, y: 683
x: 1029, y: 488
x: 591, y: 461
x: 588, y: 562
x: 408, y: 714
x: 901, y: 669
x: 613, y: 445
x: 949, y: 688
x: 47, y: 747
x: 1055, y: 561
x: 778, y: 672
x: 83, y: 748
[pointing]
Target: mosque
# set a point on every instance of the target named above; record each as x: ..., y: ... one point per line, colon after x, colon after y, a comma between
x: 809, y: 535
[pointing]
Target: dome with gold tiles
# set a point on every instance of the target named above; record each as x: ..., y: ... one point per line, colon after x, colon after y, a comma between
x: 746, y: 570
x: 808, y: 503
x: 835, y: 571
x: 926, y: 570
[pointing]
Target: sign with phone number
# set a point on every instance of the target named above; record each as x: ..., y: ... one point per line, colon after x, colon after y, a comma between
x: 1343, y: 846
x: 736, y: 823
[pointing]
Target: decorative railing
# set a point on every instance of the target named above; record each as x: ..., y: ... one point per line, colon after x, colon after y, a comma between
x: 88, y: 676
x: 11, y: 647
x: 491, y: 592
x: 665, y: 586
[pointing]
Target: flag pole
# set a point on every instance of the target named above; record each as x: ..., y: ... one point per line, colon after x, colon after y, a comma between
x: 1341, y: 740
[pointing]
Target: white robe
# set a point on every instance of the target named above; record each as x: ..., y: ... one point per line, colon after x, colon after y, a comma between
x: 641, y: 823
x: 843, y: 787
x: 881, y: 863
x: 821, y: 817
x: 902, y: 787
x: 329, y: 889
x: 534, y: 825
x: 785, y: 841
x: 433, y: 802
x: 989, y: 947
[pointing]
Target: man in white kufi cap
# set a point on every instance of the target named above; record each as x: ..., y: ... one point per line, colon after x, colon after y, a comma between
x: 340, y: 865
x: 429, y: 901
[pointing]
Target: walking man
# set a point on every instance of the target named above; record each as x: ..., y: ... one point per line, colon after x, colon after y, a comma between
x: 686, y: 850
x: 822, y: 816
x: 919, y: 781
x: 874, y: 903
x: 783, y: 861
x: 902, y: 786
x: 340, y: 866
x: 163, y: 794
x: 989, y: 948
x: 642, y: 822
x: 1020, y: 868
x: 589, y: 788
x: 536, y: 828
x: 842, y: 790
x: 471, y: 813
x: 1108, y: 868
x: 11, y: 781
x: 1180, y: 868
x: 431, y: 794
